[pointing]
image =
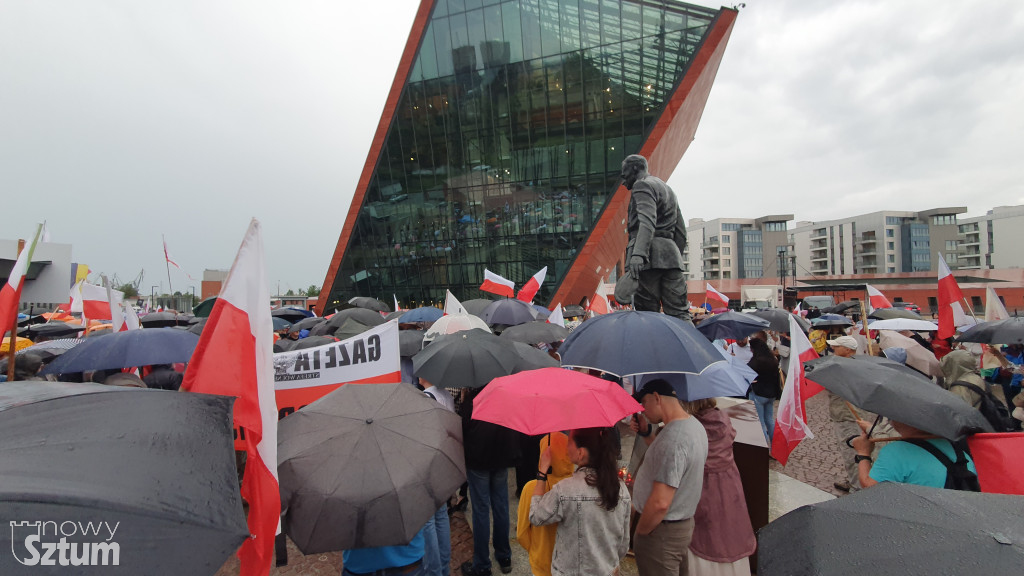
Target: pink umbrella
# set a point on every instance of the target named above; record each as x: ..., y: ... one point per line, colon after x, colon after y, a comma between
x: 552, y: 399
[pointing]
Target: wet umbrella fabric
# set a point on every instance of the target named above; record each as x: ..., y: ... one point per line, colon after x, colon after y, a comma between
x: 778, y: 320
x: 160, y: 463
x: 831, y: 320
x: 349, y: 329
x: 55, y: 347
x: 535, y: 332
x: 890, y: 313
x: 627, y: 343
x: 291, y: 314
x: 731, y: 325
x: 508, y: 312
x: 1009, y: 331
x: 572, y: 311
x: 468, y: 359
x: 127, y: 349
x: 366, y: 466
x: 281, y: 324
x: 49, y: 330
x: 899, y: 393
x: 369, y: 304
x: 729, y: 378
x: 163, y: 319
x: 307, y: 324
x: 842, y: 307
x: 531, y: 358
x: 310, y: 342
x: 197, y: 327
x: 553, y: 399
x: 477, y: 306
x: 453, y: 323
x: 361, y: 315
x: 897, y: 529
x: 410, y: 342
x: 422, y: 314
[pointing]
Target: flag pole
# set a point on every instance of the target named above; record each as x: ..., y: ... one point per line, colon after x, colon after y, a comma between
x: 864, y: 322
x: 12, y: 343
x: 971, y: 309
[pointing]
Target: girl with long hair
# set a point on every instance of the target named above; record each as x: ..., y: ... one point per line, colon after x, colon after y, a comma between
x: 591, y: 507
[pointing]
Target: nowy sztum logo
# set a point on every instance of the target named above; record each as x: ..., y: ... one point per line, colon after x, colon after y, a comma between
x: 65, y: 543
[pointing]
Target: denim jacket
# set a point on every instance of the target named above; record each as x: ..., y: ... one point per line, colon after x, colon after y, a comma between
x: 590, y: 540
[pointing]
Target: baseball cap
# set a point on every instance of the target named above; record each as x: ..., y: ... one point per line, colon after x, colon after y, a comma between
x: 845, y: 342
x: 658, y: 386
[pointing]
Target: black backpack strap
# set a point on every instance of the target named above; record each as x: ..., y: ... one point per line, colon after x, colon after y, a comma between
x: 931, y: 449
x: 972, y: 387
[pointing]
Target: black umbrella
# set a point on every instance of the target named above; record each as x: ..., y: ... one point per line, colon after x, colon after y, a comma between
x: 531, y: 358
x: 127, y: 349
x: 291, y: 314
x: 509, y: 312
x: 366, y: 466
x: 535, y: 332
x: 163, y: 319
x: 467, y: 359
x: 155, y: 467
x: 897, y: 529
x: 394, y: 315
x: 893, y: 313
x: 573, y: 311
x: 1009, y: 331
x: 733, y: 325
x: 477, y: 306
x: 842, y: 307
x: 52, y: 347
x: 197, y: 327
x: 307, y: 324
x: 778, y: 319
x: 311, y: 342
x: 286, y: 344
x: 361, y: 315
x: 892, y: 390
x: 369, y: 304
x: 627, y: 343
x: 279, y: 323
x: 50, y: 330
x: 410, y: 342
x: 349, y: 329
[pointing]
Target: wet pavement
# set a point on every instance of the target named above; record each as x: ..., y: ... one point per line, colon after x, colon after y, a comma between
x: 813, y: 466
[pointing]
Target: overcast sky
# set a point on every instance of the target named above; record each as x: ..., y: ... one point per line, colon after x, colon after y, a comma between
x: 122, y: 121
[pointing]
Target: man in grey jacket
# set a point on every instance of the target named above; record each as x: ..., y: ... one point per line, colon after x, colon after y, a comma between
x: 657, y: 238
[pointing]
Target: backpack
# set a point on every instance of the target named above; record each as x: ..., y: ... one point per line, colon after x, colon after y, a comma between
x: 991, y: 408
x: 958, y: 475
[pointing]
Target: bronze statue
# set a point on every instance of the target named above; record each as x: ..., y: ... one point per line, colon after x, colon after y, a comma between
x: 657, y: 239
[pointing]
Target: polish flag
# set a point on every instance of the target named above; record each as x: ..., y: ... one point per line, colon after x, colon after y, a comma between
x: 949, y: 301
x: 994, y: 309
x: 529, y: 290
x: 92, y: 301
x: 10, y: 294
x: 497, y: 285
x: 876, y: 299
x: 131, y: 319
x: 397, y: 307
x: 713, y: 294
x: 452, y: 304
x: 997, y: 459
x: 599, y: 304
x: 556, y: 317
x: 796, y: 309
x: 114, y: 300
x: 167, y: 257
x: 791, y: 421
x: 234, y: 357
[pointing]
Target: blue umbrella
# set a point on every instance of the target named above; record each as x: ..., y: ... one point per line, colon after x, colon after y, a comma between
x: 729, y: 378
x: 127, y: 349
x: 509, y: 311
x: 831, y: 320
x: 542, y: 312
x: 422, y: 314
x: 627, y: 343
x: 734, y: 325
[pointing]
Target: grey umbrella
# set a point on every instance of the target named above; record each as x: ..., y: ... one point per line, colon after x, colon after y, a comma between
x: 892, y: 313
x: 778, y: 319
x: 361, y: 315
x: 310, y: 342
x: 536, y: 332
x: 369, y: 304
x: 477, y: 306
x: 366, y: 466
x: 164, y: 319
x: 410, y: 342
x: 157, y: 466
x: 307, y: 324
x: 1009, y: 331
x: 509, y: 312
x: 573, y: 311
x: 466, y: 359
x: 349, y: 329
x: 531, y: 358
x: 734, y: 325
x: 892, y: 390
x: 897, y: 529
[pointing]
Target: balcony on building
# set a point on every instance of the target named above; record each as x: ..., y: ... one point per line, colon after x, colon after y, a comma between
x: 819, y: 233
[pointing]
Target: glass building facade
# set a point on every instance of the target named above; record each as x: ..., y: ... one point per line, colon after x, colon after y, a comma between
x: 507, y: 140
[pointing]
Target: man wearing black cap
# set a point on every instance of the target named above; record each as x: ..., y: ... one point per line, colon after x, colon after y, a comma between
x: 668, y: 484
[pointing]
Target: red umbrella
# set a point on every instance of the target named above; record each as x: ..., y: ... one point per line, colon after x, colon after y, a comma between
x: 552, y: 399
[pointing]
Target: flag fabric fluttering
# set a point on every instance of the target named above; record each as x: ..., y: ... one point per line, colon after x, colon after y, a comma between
x: 556, y: 316
x: 93, y: 301
x: 452, y: 304
x: 715, y: 295
x: 234, y: 357
x: 599, y: 304
x: 791, y: 421
x: 116, y: 306
x: 497, y: 285
x: 10, y: 294
x: 131, y: 319
x: 397, y: 307
x: 876, y: 299
x: 529, y: 290
x: 167, y: 257
x: 949, y: 301
x: 994, y: 309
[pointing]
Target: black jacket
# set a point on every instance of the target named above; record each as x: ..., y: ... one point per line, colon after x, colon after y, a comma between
x: 487, y: 446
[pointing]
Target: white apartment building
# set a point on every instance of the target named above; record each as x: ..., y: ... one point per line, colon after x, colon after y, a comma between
x: 992, y: 240
x: 728, y: 248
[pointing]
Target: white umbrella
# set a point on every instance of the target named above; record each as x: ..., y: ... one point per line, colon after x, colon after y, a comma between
x: 452, y: 323
x: 903, y: 324
x: 917, y: 356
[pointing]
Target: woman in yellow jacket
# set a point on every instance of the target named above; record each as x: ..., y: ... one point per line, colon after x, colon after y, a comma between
x: 539, y: 541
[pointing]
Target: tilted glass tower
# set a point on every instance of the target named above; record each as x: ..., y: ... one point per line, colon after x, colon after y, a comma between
x: 502, y: 138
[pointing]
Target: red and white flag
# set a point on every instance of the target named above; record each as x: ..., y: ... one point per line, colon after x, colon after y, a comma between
x: 876, y: 299
x: 234, y: 357
x: 599, y: 304
x: 10, y: 294
x: 452, y: 304
x: 114, y: 299
x: 713, y: 294
x: 92, y: 301
x: 397, y: 307
x: 791, y: 421
x: 950, y: 297
x: 167, y: 257
x: 497, y: 285
x: 556, y: 317
x: 994, y: 309
x: 529, y: 290
x: 997, y: 459
x: 131, y: 319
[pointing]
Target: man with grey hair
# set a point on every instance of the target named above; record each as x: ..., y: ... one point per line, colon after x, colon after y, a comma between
x: 657, y: 238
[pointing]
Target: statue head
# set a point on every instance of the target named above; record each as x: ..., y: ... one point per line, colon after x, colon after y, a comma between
x: 634, y: 167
